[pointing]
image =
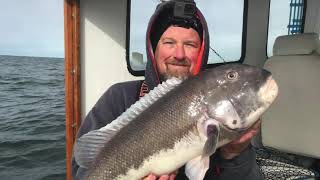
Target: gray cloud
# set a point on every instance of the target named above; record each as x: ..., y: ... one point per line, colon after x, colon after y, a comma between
x: 32, y: 28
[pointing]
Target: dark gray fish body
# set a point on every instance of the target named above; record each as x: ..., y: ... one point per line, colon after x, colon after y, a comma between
x: 184, y: 124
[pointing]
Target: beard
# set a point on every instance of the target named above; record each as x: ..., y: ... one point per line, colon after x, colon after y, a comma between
x: 180, y: 70
x: 171, y: 74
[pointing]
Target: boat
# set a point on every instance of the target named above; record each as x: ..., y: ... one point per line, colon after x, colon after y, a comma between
x: 104, y: 44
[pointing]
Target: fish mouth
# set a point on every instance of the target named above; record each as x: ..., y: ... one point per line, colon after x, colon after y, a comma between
x: 269, y: 91
x: 238, y: 130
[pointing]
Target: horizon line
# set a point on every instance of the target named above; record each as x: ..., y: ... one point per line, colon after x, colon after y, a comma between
x: 31, y: 56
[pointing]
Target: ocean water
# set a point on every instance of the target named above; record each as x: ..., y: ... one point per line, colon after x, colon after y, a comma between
x: 32, y: 118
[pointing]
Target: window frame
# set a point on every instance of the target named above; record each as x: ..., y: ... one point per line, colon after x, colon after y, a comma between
x: 133, y: 72
x: 244, y: 39
x: 243, y: 42
x: 302, y: 28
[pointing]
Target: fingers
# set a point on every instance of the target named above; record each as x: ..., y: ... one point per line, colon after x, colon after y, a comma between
x: 237, y: 146
x: 249, y: 134
x: 254, y: 129
x: 256, y: 125
x: 172, y: 176
x: 162, y: 177
x: 167, y: 177
x: 150, y: 177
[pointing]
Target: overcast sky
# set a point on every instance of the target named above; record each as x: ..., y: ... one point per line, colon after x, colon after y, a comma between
x: 32, y: 28
x: 35, y: 27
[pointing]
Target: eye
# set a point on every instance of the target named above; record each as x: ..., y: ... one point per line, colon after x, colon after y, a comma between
x: 191, y: 45
x: 232, y: 75
x: 168, y: 42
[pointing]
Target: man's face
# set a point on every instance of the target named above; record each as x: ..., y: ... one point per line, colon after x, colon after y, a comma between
x: 177, y: 52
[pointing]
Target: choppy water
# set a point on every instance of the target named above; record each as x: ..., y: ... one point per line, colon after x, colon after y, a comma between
x: 32, y: 118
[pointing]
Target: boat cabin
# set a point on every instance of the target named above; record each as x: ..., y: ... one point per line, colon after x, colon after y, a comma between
x: 105, y: 44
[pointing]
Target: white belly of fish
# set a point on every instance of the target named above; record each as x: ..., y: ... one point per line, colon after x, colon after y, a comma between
x: 168, y: 160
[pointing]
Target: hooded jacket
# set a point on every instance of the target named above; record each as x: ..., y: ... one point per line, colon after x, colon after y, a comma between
x: 121, y: 96
x: 162, y: 18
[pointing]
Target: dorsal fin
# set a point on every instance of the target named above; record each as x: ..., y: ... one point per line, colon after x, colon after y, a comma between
x: 89, y: 145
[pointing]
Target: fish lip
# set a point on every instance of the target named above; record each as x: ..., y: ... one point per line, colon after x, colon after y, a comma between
x: 238, y: 130
x: 269, y: 91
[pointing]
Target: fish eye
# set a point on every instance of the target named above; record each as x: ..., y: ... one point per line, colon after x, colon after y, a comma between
x: 232, y: 75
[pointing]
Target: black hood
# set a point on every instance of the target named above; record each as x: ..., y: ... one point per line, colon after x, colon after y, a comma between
x: 166, y: 9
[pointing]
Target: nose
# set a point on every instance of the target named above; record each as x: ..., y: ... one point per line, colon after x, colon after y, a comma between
x: 180, y: 52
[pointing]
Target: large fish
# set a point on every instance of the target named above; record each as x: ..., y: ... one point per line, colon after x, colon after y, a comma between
x: 179, y: 122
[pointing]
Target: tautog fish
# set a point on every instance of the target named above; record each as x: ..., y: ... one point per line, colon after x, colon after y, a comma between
x: 179, y: 122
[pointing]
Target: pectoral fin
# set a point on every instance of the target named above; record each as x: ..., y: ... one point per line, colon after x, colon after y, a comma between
x: 89, y: 146
x: 212, y: 141
x: 196, y: 168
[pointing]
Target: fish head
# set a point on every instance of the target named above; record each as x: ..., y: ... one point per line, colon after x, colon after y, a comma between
x: 239, y: 94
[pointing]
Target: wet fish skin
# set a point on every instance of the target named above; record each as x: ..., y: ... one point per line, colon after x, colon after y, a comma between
x: 175, y: 128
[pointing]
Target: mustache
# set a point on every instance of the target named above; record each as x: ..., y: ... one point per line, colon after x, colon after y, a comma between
x: 183, y: 62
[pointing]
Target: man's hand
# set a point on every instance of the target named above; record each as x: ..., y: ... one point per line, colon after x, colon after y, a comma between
x: 162, y: 177
x: 234, y: 148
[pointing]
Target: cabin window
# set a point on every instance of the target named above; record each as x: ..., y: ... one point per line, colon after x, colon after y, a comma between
x: 225, y: 23
x: 286, y: 17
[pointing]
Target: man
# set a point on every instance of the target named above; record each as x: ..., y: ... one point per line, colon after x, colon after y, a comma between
x: 177, y: 46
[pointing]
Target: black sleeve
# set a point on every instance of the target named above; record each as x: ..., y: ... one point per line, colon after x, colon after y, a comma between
x: 242, y: 167
x: 110, y: 105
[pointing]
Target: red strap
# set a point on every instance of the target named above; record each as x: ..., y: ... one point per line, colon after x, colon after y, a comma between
x: 198, y: 64
x: 144, y: 89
